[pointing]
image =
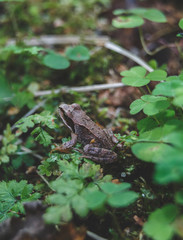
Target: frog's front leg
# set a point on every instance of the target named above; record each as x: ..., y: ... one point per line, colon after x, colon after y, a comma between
x: 67, y: 146
x: 100, y: 155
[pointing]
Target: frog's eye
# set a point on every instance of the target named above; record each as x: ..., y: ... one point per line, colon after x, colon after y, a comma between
x: 76, y: 106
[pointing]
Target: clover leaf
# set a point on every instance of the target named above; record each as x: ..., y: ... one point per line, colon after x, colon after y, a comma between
x: 157, y: 75
x: 168, y: 88
x: 150, y: 105
x: 135, y: 77
x: 159, y: 225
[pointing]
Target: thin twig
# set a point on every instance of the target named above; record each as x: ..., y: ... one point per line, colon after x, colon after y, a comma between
x: 27, y: 150
x: 95, y: 236
x: 44, y: 179
x: 96, y: 87
x: 50, y: 40
x: 114, y: 47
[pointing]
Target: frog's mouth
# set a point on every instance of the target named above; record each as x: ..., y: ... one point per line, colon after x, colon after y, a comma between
x: 66, y: 120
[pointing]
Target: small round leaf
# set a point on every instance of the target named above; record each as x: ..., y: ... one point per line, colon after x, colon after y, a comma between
x: 78, y: 53
x: 55, y: 61
x: 181, y: 23
x: 127, y: 21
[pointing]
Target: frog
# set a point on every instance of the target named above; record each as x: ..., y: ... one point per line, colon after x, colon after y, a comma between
x: 99, y: 143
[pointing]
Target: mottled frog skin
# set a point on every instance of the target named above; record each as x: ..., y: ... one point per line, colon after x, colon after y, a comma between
x: 98, y: 143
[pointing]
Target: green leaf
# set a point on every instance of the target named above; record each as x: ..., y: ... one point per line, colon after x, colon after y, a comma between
x: 154, y: 15
x: 19, y: 50
x: 56, y: 61
x: 178, y: 100
x: 167, y: 88
x: 12, y: 196
x: 42, y: 136
x: 157, y: 75
x: 146, y: 124
x: 135, y: 77
x: 78, y: 53
x: 159, y: 225
x: 57, y: 214
x: 127, y: 21
x: 119, y: 11
x: 179, y: 197
x: 137, y: 11
x: 80, y: 206
x: 151, y: 105
x: 123, y: 199
x: 5, y: 91
x: 23, y: 98
x: 136, y: 106
x: 170, y: 168
x: 160, y: 143
x: 95, y: 199
x: 46, y: 168
x: 24, y: 124
x: 181, y: 23
x: 149, y: 152
x: 111, y: 188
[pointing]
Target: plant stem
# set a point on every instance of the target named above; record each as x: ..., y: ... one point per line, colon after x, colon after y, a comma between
x: 151, y: 53
x: 116, y: 223
x: 155, y: 118
x: 44, y: 179
x: 10, y: 11
x: 148, y: 89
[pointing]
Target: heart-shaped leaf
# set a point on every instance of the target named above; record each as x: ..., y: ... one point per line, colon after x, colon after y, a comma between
x: 150, y: 104
x: 157, y: 75
x: 135, y: 77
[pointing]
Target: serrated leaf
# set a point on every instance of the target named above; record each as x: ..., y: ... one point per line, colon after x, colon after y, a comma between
x: 123, y: 199
x: 25, y: 123
x: 111, y: 188
x: 159, y: 225
x: 95, y: 199
x: 127, y: 21
x: 78, y: 53
x: 42, y: 136
x: 157, y: 75
x: 12, y: 196
x: 55, y: 61
x: 80, y: 206
x: 57, y: 214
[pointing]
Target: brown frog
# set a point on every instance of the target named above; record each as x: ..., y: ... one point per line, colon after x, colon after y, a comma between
x: 98, y: 143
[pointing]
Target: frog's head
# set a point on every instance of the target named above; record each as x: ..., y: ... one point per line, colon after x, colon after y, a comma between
x: 67, y: 114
